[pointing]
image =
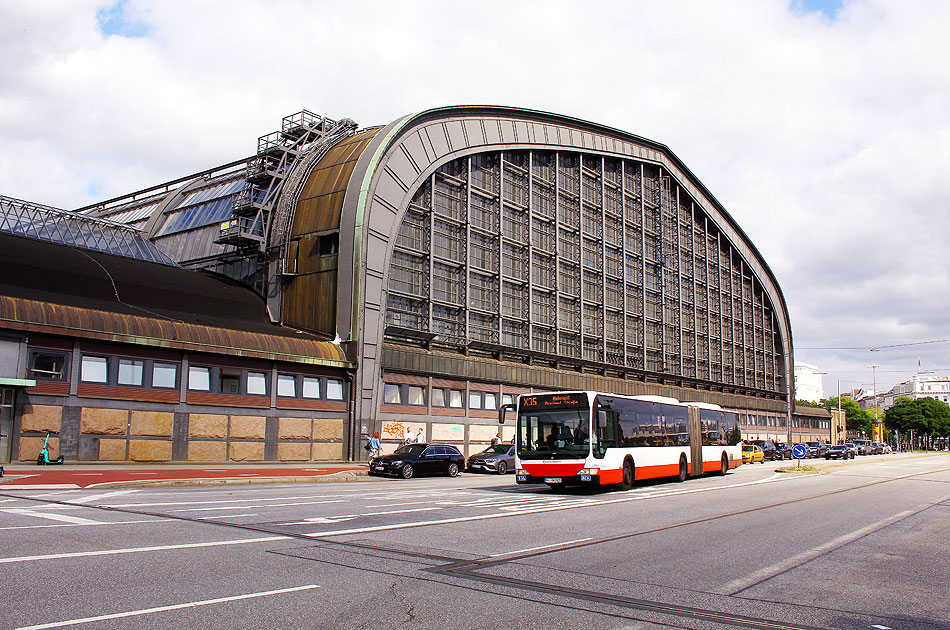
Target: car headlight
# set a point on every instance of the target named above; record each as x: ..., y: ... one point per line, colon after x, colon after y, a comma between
x: 490, y: 461
x: 396, y: 463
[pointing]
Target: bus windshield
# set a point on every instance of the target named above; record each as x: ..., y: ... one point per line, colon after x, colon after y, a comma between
x: 552, y: 429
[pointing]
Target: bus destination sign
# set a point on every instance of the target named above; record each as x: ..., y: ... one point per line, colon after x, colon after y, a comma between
x: 554, y: 401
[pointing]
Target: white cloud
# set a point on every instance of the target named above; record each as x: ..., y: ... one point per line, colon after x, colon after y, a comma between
x: 825, y: 137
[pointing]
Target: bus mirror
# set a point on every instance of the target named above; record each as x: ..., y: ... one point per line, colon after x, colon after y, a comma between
x: 602, y: 419
x: 503, y: 410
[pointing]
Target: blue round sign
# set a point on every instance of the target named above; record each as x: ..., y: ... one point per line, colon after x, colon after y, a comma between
x: 799, y: 451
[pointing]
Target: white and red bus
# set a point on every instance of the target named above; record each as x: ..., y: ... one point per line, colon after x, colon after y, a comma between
x: 600, y: 439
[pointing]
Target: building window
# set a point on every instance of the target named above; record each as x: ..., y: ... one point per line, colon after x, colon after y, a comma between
x: 507, y: 399
x: 131, y: 371
x: 164, y: 375
x: 491, y: 400
x: 229, y: 381
x: 334, y: 389
x: 94, y: 369
x: 392, y: 394
x: 474, y: 400
x: 48, y: 365
x: 417, y: 395
x: 286, y: 385
x: 438, y: 397
x: 311, y: 387
x: 199, y: 378
x: 256, y: 384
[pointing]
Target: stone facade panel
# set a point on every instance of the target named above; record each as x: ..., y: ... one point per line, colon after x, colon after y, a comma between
x: 328, y: 429
x: 207, y: 451
x: 207, y: 425
x: 150, y: 450
x: 293, y: 452
x: 157, y: 423
x: 327, y: 452
x: 112, y: 450
x: 248, y: 427
x: 294, y: 429
x: 30, y: 448
x: 104, y: 421
x: 246, y: 451
x: 41, y: 418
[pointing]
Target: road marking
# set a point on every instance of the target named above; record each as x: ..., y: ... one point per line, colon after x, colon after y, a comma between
x: 532, y: 509
x: 739, y: 585
x: 150, y: 520
x: 110, y: 552
x: 245, y: 507
x: 148, y: 611
x: 51, y: 516
x: 349, y: 517
x: 561, y: 544
x: 205, y: 518
x: 97, y: 497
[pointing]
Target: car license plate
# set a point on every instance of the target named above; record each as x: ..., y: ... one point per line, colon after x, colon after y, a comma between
x: 553, y: 480
x: 378, y: 468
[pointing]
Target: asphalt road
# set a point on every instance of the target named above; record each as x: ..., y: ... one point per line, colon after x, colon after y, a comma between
x: 865, y: 546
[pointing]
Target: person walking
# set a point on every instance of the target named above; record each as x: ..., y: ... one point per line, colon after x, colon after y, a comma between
x: 374, y: 446
x: 420, y: 436
x: 495, y: 441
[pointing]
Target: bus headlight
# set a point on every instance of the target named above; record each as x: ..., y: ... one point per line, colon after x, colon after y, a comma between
x: 520, y: 472
x: 589, y: 471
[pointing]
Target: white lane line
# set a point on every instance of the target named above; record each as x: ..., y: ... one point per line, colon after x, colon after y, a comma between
x: 148, y: 611
x: 534, y: 509
x: 740, y: 584
x: 560, y: 544
x: 348, y: 517
x: 110, y: 552
x: 246, y: 507
x: 51, y: 516
x: 150, y: 520
x: 205, y: 518
x: 97, y: 497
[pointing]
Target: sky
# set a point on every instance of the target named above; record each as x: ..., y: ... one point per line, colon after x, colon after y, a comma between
x: 821, y: 126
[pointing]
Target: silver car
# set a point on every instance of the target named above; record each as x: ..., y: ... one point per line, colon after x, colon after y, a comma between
x: 497, y: 459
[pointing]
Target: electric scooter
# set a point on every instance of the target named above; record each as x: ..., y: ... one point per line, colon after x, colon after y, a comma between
x: 43, y: 458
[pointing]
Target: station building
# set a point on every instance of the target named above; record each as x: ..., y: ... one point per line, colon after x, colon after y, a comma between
x: 345, y: 280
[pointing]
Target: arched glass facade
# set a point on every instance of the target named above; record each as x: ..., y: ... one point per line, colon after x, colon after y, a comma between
x: 580, y: 258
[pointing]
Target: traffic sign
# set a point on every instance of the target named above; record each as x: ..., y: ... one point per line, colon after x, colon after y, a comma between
x: 799, y: 451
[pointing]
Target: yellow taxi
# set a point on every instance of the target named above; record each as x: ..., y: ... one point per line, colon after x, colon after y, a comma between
x: 752, y: 453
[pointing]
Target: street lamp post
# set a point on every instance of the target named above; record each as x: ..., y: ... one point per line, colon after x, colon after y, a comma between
x: 874, y: 389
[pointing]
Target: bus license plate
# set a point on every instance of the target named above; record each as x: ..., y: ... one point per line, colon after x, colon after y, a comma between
x: 553, y: 480
x: 585, y: 477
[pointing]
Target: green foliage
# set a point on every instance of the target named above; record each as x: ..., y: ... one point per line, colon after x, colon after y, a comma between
x: 857, y: 419
x: 924, y: 416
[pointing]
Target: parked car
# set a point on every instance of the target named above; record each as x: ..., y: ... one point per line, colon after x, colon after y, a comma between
x: 769, y: 451
x: 853, y: 448
x: 877, y: 448
x: 497, y: 459
x: 784, y: 449
x: 419, y: 459
x: 864, y: 446
x: 839, y: 451
x: 816, y: 448
x: 752, y: 453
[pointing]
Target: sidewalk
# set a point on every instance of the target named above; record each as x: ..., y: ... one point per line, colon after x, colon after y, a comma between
x: 20, y: 476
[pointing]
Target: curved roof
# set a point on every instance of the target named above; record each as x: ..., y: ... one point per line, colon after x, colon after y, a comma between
x: 64, y: 290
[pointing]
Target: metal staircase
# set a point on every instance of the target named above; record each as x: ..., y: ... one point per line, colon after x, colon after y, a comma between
x: 266, y: 176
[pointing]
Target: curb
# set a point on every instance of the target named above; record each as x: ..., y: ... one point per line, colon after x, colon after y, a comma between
x: 344, y: 476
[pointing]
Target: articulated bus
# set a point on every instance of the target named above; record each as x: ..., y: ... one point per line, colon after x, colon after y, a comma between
x: 599, y: 439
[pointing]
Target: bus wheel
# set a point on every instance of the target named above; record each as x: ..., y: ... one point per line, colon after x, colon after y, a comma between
x: 682, y: 474
x: 628, y: 477
x: 725, y: 465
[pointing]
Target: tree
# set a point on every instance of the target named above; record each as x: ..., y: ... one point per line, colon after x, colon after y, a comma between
x: 904, y: 416
x: 924, y: 416
x: 856, y: 419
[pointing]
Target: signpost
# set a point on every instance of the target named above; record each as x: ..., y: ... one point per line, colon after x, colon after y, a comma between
x: 798, y: 452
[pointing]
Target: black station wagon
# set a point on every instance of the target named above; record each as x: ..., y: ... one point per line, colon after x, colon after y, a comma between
x: 419, y: 459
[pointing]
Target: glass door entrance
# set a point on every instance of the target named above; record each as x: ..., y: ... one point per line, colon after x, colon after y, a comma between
x: 6, y: 422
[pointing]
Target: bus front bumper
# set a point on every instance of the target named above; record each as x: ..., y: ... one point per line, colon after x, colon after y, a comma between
x: 583, y: 478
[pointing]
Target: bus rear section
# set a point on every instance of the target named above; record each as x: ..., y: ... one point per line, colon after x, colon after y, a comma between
x: 596, y: 439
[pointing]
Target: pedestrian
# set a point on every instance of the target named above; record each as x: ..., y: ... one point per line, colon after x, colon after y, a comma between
x: 374, y: 446
x: 495, y: 441
x: 420, y: 436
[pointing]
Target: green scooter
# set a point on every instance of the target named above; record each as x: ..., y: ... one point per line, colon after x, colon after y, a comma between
x: 43, y: 458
